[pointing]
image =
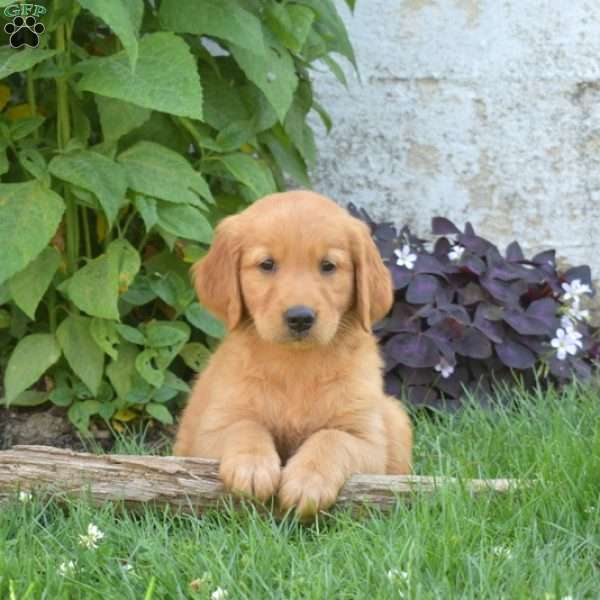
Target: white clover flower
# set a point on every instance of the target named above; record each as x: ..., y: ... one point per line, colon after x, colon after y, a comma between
x: 575, y: 289
x: 502, y: 551
x: 25, y: 497
x: 219, y: 594
x: 456, y: 253
x: 445, y: 368
x: 90, y: 540
x: 66, y: 568
x: 566, y: 342
x: 395, y: 576
x: 405, y: 258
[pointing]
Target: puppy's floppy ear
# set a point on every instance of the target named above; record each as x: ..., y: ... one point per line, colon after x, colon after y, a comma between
x: 374, y: 291
x: 216, y: 276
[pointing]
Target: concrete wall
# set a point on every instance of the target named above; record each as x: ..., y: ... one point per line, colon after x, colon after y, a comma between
x: 480, y: 110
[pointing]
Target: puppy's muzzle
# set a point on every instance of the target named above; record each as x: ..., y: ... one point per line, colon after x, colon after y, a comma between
x: 299, y: 319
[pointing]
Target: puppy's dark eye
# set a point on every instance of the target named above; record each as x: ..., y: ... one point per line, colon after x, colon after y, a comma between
x: 327, y: 266
x: 267, y: 265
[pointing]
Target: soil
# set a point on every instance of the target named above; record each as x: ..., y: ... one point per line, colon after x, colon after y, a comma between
x: 50, y: 427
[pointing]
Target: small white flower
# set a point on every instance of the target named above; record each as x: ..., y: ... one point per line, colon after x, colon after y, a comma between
x: 219, y: 594
x: 25, y: 497
x: 396, y: 576
x: 566, y: 342
x: 90, y: 540
x: 445, y: 368
x: 575, y: 289
x: 502, y: 551
x: 405, y: 258
x: 66, y: 568
x: 567, y: 323
x: 456, y: 253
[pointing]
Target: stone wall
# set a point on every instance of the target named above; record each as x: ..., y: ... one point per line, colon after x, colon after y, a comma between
x: 480, y: 110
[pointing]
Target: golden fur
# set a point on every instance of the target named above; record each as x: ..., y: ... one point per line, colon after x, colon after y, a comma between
x: 286, y: 415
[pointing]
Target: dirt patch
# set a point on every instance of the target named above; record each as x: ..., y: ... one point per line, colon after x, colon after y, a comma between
x: 50, y: 427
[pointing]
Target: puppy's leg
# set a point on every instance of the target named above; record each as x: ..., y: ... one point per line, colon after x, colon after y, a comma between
x: 249, y: 463
x: 398, y: 431
x: 313, y: 477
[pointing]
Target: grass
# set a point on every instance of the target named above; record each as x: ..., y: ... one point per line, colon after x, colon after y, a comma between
x: 540, y: 543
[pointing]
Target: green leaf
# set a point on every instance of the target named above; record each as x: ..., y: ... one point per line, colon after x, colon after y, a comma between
x: 121, y: 17
x: 95, y: 173
x: 160, y: 412
x: 30, y: 398
x: 34, y: 163
x: 176, y: 383
x: 286, y: 156
x: 273, y: 72
x: 161, y: 173
x: 295, y: 123
x: 291, y: 23
x: 80, y: 412
x: 252, y: 173
x: 165, y: 333
x: 331, y: 27
x: 21, y: 60
x: 146, y: 367
x: 81, y: 351
x: 29, y: 285
x: 195, y: 356
x: 104, y: 333
x: 165, y: 76
x: 118, y: 118
x: 184, y: 221
x: 147, y: 209
x: 199, y: 317
x: 4, y: 164
x: 172, y: 289
x: 224, y: 19
x: 95, y: 287
x: 4, y: 319
x: 130, y: 334
x: 121, y: 371
x: 29, y: 361
x: 29, y: 217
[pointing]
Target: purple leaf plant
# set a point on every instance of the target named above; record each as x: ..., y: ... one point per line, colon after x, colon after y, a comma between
x: 466, y: 317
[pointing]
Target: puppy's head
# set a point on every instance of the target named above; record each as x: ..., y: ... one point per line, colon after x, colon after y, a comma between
x: 298, y: 266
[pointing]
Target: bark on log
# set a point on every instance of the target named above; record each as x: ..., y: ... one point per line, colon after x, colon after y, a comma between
x: 190, y: 484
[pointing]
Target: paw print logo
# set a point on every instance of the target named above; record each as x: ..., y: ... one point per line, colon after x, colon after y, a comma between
x: 24, y: 32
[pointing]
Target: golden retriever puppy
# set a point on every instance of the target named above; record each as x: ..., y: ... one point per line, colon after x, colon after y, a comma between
x: 292, y: 401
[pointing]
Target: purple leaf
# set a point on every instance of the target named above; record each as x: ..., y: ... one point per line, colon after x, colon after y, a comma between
x: 412, y: 376
x: 429, y: 264
x: 453, y: 385
x: 546, y: 258
x: 514, y: 252
x: 401, y: 276
x: 386, y: 249
x: 493, y: 330
x: 412, y: 350
x: 475, y: 244
x: 441, y: 248
x: 474, y: 344
x: 422, y: 396
x: 443, y: 226
x: 526, y: 324
x: 545, y: 310
x: 422, y: 289
x: 500, y: 291
x: 473, y: 264
x: 403, y: 318
x: 583, y: 273
x: 515, y: 355
x: 385, y: 231
x: 392, y: 384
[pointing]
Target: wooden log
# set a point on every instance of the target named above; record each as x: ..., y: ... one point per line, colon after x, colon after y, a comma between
x: 190, y: 484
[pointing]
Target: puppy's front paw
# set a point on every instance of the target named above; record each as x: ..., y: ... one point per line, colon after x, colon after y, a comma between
x: 255, y: 475
x: 307, y: 490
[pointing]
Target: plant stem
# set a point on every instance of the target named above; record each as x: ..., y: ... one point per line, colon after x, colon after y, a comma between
x: 86, y: 232
x: 31, y: 101
x: 64, y: 135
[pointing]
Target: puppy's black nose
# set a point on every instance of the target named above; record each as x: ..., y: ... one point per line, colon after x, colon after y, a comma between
x: 299, y: 318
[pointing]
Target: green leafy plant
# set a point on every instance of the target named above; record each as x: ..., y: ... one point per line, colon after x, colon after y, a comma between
x: 124, y: 137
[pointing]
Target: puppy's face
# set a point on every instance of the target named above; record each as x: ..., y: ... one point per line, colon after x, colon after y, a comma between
x: 297, y: 278
x: 296, y: 264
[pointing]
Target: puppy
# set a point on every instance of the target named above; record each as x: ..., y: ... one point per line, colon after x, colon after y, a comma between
x: 292, y: 401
